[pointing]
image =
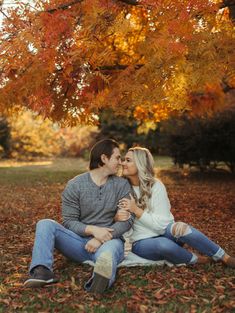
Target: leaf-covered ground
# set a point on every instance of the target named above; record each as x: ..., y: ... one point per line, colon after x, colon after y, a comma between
x: 205, y: 201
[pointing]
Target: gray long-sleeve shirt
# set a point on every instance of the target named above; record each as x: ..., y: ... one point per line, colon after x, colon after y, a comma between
x: 84, y: 203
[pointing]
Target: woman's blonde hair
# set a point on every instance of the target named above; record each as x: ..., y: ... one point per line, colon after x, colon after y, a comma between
x: 145, y: 165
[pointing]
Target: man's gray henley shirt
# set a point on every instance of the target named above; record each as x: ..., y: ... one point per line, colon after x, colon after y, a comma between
x: 85, y: 203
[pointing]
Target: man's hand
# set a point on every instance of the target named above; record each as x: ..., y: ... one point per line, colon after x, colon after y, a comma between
x: 102, y: 234
x: 122, y: 215
x: 92, y: 245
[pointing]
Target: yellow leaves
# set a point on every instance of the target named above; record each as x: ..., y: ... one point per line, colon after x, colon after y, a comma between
x: 31, y: 137
x: 101, y: 58
x: 140, y: 113
x: 176, y: 89
x: 223, y: 22
x: 145, y: 127
x: 34, y: 136
x: 152, y: 114
x: 161, y: 112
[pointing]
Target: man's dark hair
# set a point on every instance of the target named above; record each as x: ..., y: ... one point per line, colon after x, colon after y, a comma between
x: 104, y: 146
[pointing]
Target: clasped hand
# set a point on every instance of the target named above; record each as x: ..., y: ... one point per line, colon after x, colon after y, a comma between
x: 128, y: 204
x: 102, y: 234
x: 92, y: 245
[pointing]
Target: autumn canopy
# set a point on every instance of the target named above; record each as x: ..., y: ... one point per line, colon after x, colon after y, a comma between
x: 68, y: 60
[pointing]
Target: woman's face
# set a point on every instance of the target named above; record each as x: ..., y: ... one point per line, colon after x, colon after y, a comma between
x: 128, y: 165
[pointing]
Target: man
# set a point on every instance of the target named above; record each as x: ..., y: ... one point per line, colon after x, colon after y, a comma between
x: 89, y: 204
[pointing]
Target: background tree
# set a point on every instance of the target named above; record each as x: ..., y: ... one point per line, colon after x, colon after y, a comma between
x: 5, y: 137
x: 69, y: 60
x: 123, y: 129
x: 32, y: 136
x: 201, y: 142
x: 129, y: 132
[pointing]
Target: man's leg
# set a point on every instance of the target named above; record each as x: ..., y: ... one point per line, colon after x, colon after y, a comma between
x: 106, y: 259
x: 49, y: 235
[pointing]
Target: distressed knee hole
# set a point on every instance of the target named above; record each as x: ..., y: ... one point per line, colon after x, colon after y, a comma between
x: 180, y: 229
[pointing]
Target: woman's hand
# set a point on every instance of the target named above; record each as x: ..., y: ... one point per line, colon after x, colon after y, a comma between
x: 122, y: 215
x: 130, y: 205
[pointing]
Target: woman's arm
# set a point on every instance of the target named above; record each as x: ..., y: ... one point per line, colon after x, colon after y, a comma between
x: 159, y: 214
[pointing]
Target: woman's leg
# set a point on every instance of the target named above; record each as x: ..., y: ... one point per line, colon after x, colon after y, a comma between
x: 181, y: 232
x: 162, y: 248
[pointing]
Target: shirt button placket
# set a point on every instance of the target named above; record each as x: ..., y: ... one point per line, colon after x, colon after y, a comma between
x: 100, y: 193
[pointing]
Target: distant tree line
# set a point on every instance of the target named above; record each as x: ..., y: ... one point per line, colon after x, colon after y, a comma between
x: 200, y: 142
x: 26, y: 136
x: 203, y: 143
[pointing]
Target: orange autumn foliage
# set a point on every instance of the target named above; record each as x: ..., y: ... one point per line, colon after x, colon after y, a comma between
x: 69, y: 60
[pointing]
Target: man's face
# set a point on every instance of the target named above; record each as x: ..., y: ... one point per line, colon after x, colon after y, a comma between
x: 114, y: 162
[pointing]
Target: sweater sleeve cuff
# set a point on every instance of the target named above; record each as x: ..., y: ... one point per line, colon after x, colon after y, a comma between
x: 145, y: 218
x: 81, y: 230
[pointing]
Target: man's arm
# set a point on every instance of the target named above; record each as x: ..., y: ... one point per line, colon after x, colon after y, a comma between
x: 119, y: 228
x: 71, y: 211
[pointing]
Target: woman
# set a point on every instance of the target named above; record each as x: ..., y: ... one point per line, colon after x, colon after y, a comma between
x: 156, y: 236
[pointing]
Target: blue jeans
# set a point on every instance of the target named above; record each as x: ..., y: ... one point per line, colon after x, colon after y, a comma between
x: 50, y: 234
x: 169, y: 247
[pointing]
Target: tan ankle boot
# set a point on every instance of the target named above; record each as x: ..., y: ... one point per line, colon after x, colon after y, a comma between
x: 229, y: 261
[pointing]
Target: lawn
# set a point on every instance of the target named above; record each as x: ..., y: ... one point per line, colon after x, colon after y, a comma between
x: 31, y: 191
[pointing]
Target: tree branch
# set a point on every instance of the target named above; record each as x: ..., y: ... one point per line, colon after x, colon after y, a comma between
x: 7, y: 17
x: 225, y: 86
x: 67, y: 5
x: 131, y: 2
x: 3, y: 13
x: 64, y: 6
x: 117, y: 67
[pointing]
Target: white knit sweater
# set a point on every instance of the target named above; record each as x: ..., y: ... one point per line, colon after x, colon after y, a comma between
x: 156, y: 216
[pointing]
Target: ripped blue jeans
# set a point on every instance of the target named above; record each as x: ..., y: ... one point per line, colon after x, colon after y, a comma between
x: 169, y: 246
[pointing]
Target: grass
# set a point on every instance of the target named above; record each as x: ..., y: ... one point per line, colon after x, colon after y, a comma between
x: 31, y: 191
x: 58, y: 170
x: 40, y: 172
